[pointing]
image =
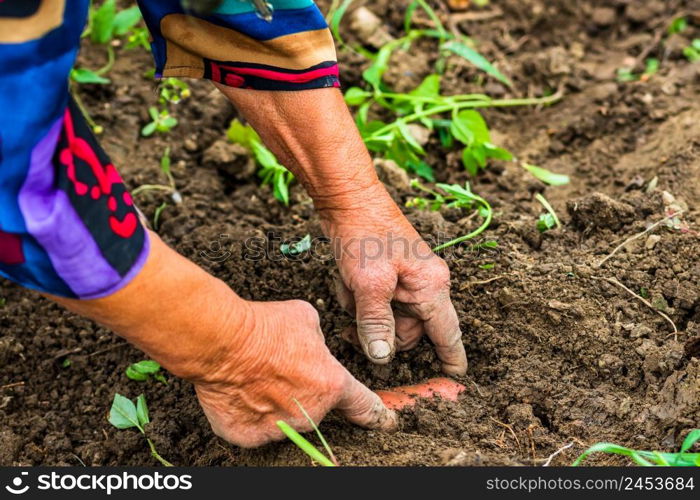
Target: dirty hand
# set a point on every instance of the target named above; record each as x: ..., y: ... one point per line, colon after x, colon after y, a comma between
x: 283, y: 358
x: 392, y: 282
x: 247, y: 360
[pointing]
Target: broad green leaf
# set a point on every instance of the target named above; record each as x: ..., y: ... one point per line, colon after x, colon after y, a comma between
x: 429, y: 87
x: 169, y: 122
x: 146, y: 366
x: 242, y: 134
x: 83, y: 75
x: 103, y: 22
x: 355, y: 96
x: 142, y: 411
x: 153, y: 113
x: 476, y: 59
x: 497, y: 153
x: 126, y: 19
x: 469, y: 162
x: 476, y: 124
x: 122, y: 415
x: 134, y: 374
x: 148, y: 129
x: 546, y: 176
x: 461, y: 132
x: 424, y: 170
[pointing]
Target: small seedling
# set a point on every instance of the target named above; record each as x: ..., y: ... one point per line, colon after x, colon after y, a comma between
x: 692, y: 51
x: 626, y: 74
x: 124, y: 414
x: 549, y: 220
x: 105, y: 24
x: 299, y: 247
x: 678, y: 25
x: 651, y: 458
x: 145, y: 370
x: 161, y: 121
x: 271, y: 171
x: 305, y: 445
x: 173, y: 90
x: 165, y: 162
x: 455, y: 196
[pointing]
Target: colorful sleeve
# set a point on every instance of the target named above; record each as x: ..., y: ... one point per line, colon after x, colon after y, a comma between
x: 236, y: 46
x: 68, y: 226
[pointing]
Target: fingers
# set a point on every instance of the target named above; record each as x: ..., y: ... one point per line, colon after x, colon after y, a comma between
x: 408, y: 332
x: 364, y: 407
x: 375, y: 326
x: 443, y: 329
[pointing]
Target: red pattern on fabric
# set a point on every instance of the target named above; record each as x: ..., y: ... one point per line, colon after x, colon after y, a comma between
x: 106, y: 176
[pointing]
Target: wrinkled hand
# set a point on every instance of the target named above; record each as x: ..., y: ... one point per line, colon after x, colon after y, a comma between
x: 393, y: 284
x: 283, y: 357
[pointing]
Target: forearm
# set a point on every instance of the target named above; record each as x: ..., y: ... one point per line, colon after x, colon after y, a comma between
x: 174, y: 311
x: 313, y: 134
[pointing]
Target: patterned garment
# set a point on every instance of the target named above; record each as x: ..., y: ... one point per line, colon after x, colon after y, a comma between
x: 68, y: 226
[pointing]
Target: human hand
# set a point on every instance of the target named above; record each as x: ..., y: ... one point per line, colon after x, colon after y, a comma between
x: 392, y: 282
x: 282, y: 356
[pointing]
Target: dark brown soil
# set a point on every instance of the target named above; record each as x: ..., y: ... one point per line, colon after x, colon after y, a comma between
x: 558, y: 352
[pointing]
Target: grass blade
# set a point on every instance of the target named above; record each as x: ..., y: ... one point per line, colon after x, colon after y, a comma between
x: 303, y: 444
x: 318, y: 432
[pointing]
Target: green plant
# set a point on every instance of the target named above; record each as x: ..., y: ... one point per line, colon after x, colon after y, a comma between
x: 455, y: 196
x: 173, y: 90
x: 296, y: 248
x: 145, y: 370
x: 627, y: 74
x: 170, y: 188
x: 105, y: 24
x: 692, y: 51
x: 306, y: 446
x: 271, y: 171
x: 650, y: 458
x: 452, y: 118
x: 678, y: 25
x: 161, y: 121
x: 124, y: 414
x: 547, y: 220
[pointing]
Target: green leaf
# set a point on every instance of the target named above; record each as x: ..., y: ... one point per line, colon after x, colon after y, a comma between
x: 84, y: 75
x: 476, y: 124
x: 469, y: 162
x: 169, y: 122
x: 126, y: 19
x: 134, y: 374
x: 337, y: 17
x: 429, y: 87
x: 678, y: 25
x: 304, y: 445
x: 242, y: 134
x: 142, y: 411
x: 355, y: 96
x: 497, y: 153
x: 461, y: 132
x: 476, y: 59
x: 408, y: 137
x: 147, y: 366
x: 297, y: 248
x: 148, y: 129
x: 692, y: 438
x: 153, y: 112
x: 103, y: 22
x: 546, y: 176
x: 122, y: 415
x: 424, y: 170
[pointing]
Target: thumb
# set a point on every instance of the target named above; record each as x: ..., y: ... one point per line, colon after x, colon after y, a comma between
x: 375, y: 326
x: 363, y: 407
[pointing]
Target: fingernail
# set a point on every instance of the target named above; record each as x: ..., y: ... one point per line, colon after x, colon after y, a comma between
x: 379, y: 349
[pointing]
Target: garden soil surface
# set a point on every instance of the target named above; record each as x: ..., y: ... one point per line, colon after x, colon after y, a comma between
x: 559, y: 353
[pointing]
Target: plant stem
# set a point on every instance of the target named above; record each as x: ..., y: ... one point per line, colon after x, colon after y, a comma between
x: 476, y: 232
x: 151, y: 187
x: 549, y: 208
x: 156, y: 455
x: 500, y: 103
x: 110, y: 62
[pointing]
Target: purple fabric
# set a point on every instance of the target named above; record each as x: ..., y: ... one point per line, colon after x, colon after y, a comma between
x: 53, y: 222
